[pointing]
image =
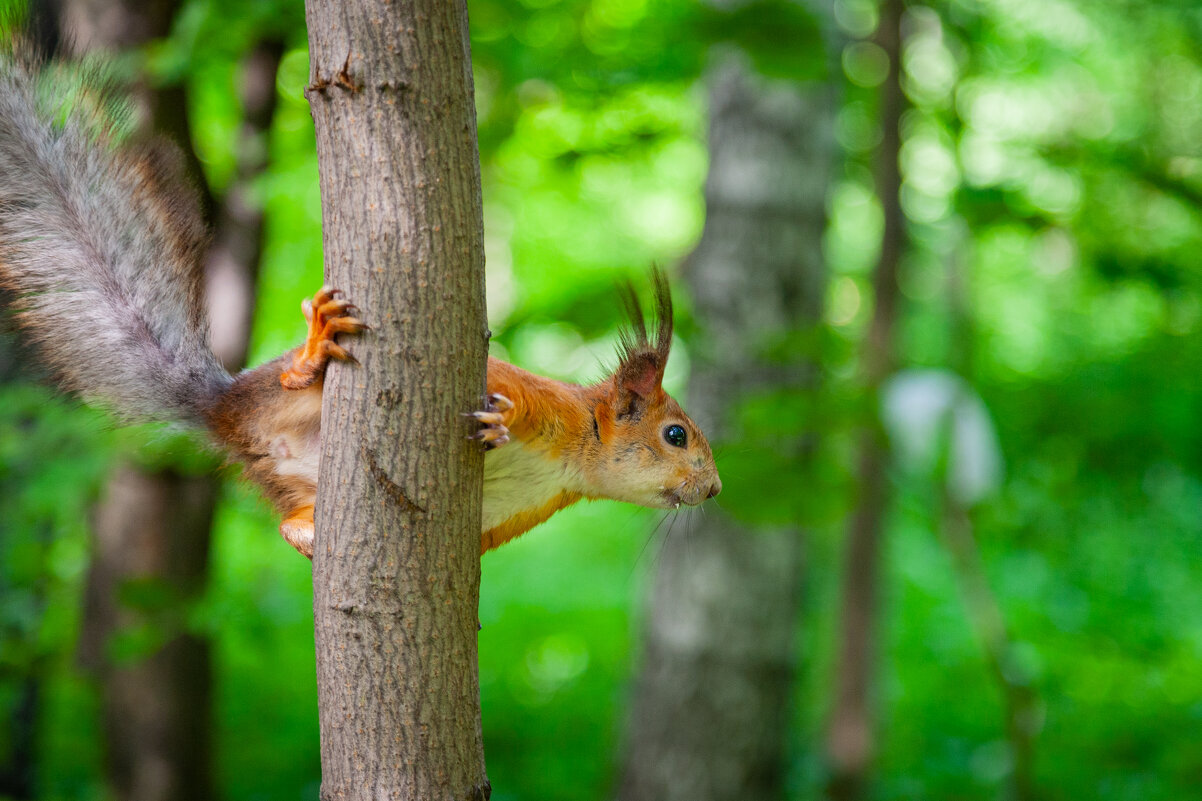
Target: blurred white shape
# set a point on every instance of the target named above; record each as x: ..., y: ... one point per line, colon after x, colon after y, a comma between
x: 928, y: 411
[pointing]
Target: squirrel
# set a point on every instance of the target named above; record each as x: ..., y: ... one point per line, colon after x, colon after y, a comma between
x: 101, y: 243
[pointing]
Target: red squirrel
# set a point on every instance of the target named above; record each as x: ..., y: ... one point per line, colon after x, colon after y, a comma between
x: 550, y: 444
x: 102, y: 244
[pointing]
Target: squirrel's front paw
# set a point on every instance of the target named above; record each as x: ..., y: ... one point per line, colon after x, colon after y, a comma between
x: 328, y: 316
x: 494, y: 434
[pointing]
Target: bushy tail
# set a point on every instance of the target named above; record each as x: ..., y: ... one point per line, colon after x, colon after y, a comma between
x: 102, y: 245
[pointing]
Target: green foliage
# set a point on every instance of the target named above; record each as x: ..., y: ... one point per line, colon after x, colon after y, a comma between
x: 51, y: 462
x: 1051, y: 163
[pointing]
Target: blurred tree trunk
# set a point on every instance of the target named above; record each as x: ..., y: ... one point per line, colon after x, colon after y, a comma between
x: 23, y: 683
x: 233, y: 261
x: 1020, y: 701
x: 18, y: 760
x: 152, y: 528
x: 850, y: 742
x: 397, y: 562
x: 150, y: 557
x: 1020, y: 697
x: 23, y: 588
x: 711, y: 709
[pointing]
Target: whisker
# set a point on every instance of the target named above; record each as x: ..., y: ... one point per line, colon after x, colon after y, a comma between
x: 647, y: 542
x: 688, y: 544
x: 633, y: 512
x: 667, y: 536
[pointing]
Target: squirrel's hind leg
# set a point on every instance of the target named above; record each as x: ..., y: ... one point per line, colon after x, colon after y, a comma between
x: 297, y: 530
x: 328, y: 316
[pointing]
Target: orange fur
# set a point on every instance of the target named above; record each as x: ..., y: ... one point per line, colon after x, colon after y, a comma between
x: 297, y: 530
x: 543, y: 408
x: 524, y: 521
x: 327, y: 316
x: 600, y: 441
x: 551, y: 443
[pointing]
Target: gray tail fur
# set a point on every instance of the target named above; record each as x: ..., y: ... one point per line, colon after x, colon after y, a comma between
x: 103, y: 246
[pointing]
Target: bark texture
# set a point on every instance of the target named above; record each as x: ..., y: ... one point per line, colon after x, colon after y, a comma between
x: 711, y: 710
x: 851, y: 735
x: 397, y: 564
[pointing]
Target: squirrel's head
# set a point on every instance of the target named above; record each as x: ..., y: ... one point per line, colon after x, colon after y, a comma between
x: 646, y: 449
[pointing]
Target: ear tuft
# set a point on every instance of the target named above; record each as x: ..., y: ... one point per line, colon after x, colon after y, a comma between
x: 641, y: 361
x: 663, y: 311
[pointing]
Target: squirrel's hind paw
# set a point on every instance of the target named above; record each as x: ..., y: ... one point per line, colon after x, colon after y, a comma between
x: 328, y: 315
x: 494, y: 434
x: 297, y: 530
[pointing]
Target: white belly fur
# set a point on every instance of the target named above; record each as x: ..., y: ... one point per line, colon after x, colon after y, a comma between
x: 515, y: 479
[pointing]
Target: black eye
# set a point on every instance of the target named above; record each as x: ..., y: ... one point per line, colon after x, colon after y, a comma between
x: 675, y: 435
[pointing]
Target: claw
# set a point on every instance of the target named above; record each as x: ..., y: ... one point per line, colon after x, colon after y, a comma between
x: 498, y: 401
x: 494, y: 434
x: 334, y: 308
x: 328, y: 315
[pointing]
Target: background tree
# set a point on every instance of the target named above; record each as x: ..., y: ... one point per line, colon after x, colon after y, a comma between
x: 711, y: 710
x: 852, y: 735
x: 150, y: 553
x: 396, y: 564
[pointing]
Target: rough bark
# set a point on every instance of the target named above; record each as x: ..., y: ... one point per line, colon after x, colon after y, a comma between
x: 152, y: 527
x: 711, y: 712
x: 397, y: 567
x: 850, y: 737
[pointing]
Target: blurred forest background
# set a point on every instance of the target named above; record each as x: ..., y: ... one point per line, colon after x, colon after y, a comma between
x: 955, y: 407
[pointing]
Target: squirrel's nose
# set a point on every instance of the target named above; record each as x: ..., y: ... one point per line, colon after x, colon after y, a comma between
x: 715, y: 488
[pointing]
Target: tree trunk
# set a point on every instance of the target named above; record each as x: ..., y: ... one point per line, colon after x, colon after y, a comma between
x: 152, y: 528
x: 150, y: 558
x: 1020, y: 695
x: 1020, y: 700
x: 397, y: 562
x: 711, y: 710
x: 851, y: 736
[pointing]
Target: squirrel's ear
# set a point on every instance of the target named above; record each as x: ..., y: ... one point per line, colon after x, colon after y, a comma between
x: 639, y: 376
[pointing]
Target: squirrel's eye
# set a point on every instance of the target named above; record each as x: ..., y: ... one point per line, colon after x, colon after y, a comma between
x: 675, y: 435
